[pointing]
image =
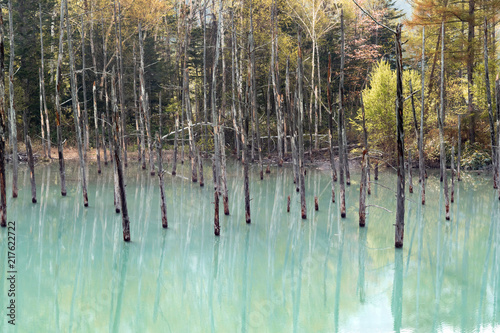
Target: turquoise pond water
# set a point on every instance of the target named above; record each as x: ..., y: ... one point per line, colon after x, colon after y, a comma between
x: 278, y: 274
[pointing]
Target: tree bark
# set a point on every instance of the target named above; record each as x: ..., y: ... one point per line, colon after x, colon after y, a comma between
x: 330, y: 125
x: 452, y: 174
x: 76, y: 107
x: 459, y: 157
x: 137, y: 113
x: 123, y: 109
x: 342, y: 167
x: 42, y: 121
x: 192, y: 148
x: 441, y: 118
x: 44, y: 100
x: 470, y: 71
x: 12, y: 113
x: 421, y: 162
x: 159, y: 144
x: 62, y: 170
x: 300, y: 122
x: 410, y: 176
x: 488, y: 98
x: 31, y: 164
x: 215, y: 112
x: 362, y: 190
x: 94, y: 91
x: 400, y: 201
x: 85, y: 120
x: 222, y: 116
x: 118, y: 162
x: 145, y: 107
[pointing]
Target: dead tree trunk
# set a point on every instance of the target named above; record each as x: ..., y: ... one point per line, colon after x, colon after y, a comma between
x: 159, y: 144
x: 233, y: 86
x: 123, y: 109
x: 441, y: 131
x: 3, y: 153
x: 488, y: 98
x: 192, y: 148
x: 421, y: 164
x: 342, y: 156
x: 365, y: 138
x: 42, y: 86
x: 118, y: 162
x: 222, y: 116
x: 300, y: 77
x: 76, y: 107
x: 62, y: 171
x: 274, y: 78
x: 42, y: 121
x: 400, y: 202
x: 497, y: 93
x: 94, y: 91
x: 410, y: 178
x: 31, y: 164
x: 216, y: 214
x: 459, y: 157
x: 362, y: 190
x: 12, y: 113
x: 85, y: 120
x: 145, y: 107
x: 137, y: 112
x: 452, y: 174
x: 215, y: 112
x: 200, y: 165
x: 330, y: 125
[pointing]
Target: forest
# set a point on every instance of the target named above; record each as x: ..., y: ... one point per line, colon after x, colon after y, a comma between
x: 265, y: 82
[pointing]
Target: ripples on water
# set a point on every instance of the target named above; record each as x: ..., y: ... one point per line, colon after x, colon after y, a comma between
x: 279, y: 274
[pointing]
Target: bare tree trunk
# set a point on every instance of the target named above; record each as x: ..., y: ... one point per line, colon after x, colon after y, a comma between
x: 410, y: 176
x: 200, y: 165
x: 470, y: 71
x: 441, y: 131
x: 216, y: 214
x: 222, y: 116
x: 215, y: 112
x: 105, y: 121
x: 85, y: 120
x: 459, y: 157
x: 159, y: 144
x: 330, y: 125
x: 12, y: 113
x: 136, y: 109
x: 205, y: 114
x: 362, y: 190
x: 3, y: 152
x: 62, y: 171
x: 452, y: 174
x: 123, y: 110
x: 421, y: 162
x: 42, y: 92
x: 488, y: 99
x: 118, y: 162
x: 400, y: 201
x: 94, y: 91
x: 274, y: 76
x: 31, y: 164
x: 76, y: 107
x: 42, y: 121
x: 145, y: 107
x: 342, y: 168
x: 365, y: 138
x: 192, y: 148
x: 497, y: 93
x: 300, y: 123
x: 233, y: 86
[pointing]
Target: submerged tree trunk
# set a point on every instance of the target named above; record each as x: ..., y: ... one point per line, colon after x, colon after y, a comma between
x: 362, y: 189
x: 421, y: 164
x: 300, y: 122
x: 3, y: 153
x: 341, y: 120
x: 222, y: 116
x: 76, y: 108
x: 441, y: 131
x: 12, y: 113
x: 452, y: 174
x: 118, y: 162
x: 488, y: 99
x: 31, y: 164
x: 159, y: 144
x: 400, y: 201
x: 62, y: 171
x: 330, y: 125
